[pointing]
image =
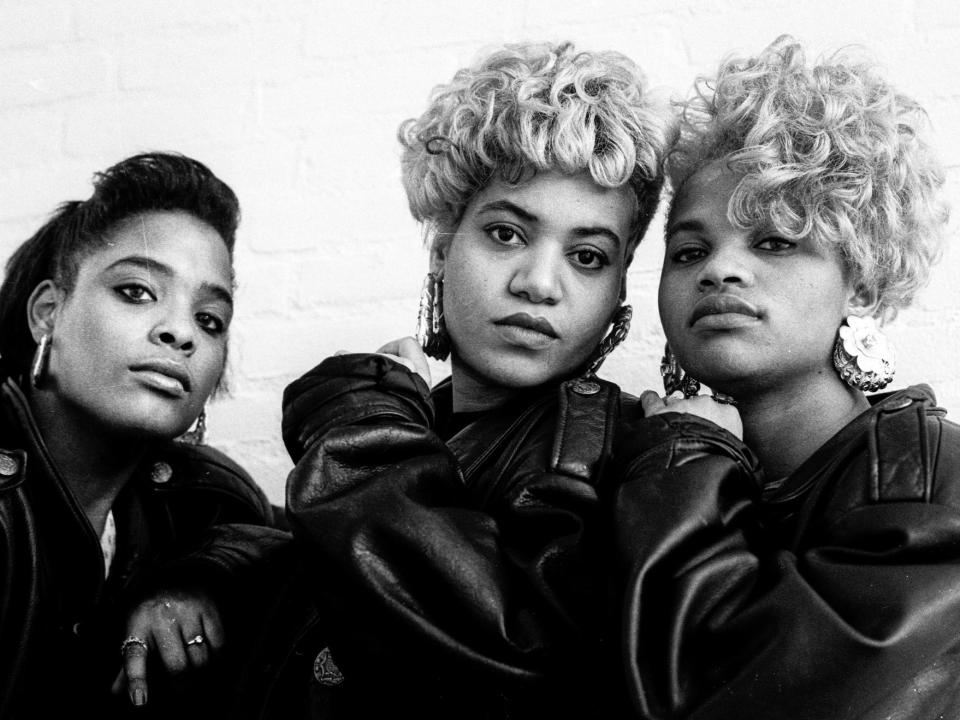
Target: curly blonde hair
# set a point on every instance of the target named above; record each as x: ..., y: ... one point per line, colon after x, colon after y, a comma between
x: 528, y: 108
x: 831, y: 151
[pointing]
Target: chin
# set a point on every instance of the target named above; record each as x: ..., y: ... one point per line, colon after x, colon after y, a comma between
x: 153, y: 423
x: 531, y: 374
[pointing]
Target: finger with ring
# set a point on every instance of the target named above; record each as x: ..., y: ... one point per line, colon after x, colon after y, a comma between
x: 131, y: 642
x: 723, y: 399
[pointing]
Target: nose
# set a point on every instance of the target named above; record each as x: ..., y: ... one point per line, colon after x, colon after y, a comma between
x: 176, y: 330
x: 537, y: 276
x: 725, y: 266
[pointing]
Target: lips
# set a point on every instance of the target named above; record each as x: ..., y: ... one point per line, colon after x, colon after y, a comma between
x: 522, y: 320
x: 167, y: 376
x: 526, y: 332
x: 723, y: 310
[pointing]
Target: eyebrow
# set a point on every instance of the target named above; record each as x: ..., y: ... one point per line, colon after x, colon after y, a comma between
x: 684, y: 225
x: 159, y: 268
x: 526, y: 215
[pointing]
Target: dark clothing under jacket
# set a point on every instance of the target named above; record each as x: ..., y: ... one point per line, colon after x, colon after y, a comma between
x: 188, y: 515
x: 832, y: 596
x: 457, y: 562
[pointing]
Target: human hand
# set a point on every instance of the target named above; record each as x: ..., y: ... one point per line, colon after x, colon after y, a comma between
x: 723, y: 414
x: 407, y: 352
x: 184, y: 628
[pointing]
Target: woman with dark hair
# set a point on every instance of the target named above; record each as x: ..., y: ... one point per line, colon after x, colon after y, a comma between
x: 115, y: 548
x: 449, y: 532
x: 806, y: 208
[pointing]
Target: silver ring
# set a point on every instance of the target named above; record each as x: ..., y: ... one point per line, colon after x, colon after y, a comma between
x: 196, y: 640
x: 723, y: 399
x: 131, y: 641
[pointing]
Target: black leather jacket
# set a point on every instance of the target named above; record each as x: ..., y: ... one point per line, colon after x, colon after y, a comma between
x: 835, y: 596
x: 456, y: 558
x: 190, y: 514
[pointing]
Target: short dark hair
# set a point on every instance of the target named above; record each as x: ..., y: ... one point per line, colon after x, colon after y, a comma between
x: 142, y: 183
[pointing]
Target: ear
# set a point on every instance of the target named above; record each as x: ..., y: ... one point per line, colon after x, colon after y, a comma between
x: 862, y: 301
x: 438, y: 252
x: 42, y: 308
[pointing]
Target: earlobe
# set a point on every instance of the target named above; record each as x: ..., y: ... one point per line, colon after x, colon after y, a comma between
x: 42, y: 307
x: 862, y: 302
x: 438, y: 252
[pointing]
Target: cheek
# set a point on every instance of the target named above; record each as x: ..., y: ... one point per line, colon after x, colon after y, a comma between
x: 212, y: 367
x: 465, y: 292
x: 594, y: 307
x: 669, y: 303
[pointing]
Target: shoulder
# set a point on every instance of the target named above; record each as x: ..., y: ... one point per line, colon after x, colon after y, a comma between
x: 914, y: 450
x: 349, y: 389
x: 194, y: 470
x: 902, y: 450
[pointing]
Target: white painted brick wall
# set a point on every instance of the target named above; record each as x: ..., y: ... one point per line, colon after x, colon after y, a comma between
x: 296, y: 104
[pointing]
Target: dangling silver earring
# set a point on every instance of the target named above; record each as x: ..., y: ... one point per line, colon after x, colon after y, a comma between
x: 618, y: 333
x: 41, y: 357
x: 198, y: 433
x: 674, y: 377
x: 862, y: 354
x: 431, y: 330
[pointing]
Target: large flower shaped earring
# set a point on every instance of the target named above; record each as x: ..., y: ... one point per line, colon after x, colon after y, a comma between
x: 862, y: 354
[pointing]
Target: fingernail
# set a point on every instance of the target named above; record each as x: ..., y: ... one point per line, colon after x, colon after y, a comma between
x: 139, y: 697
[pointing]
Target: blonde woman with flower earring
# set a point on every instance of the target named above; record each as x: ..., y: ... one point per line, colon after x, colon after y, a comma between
x: 806, y: 210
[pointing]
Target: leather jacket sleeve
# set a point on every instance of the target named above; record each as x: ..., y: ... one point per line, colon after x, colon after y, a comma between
x: 721, y: 620
x: 377, y: 495
x: 221, y: 533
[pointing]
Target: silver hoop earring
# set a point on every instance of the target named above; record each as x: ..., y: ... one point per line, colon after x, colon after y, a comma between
x: 41, y: 358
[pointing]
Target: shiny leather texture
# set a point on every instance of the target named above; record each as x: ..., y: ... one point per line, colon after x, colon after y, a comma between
x: 189, y: 512
x: 453, y: 564
x: 834, y: 597
x: 462, y: 565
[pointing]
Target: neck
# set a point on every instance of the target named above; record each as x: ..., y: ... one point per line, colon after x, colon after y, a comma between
x: 472, y: 392
x: 786, y: 425
x: 95, y: 464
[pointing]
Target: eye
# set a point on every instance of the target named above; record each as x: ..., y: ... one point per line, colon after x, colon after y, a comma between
x: 688, y: 254
x: 775, y: 244
x: 589, y: 258
x: 504, y: 234
x: 135, y: 293
x: 210, y: 323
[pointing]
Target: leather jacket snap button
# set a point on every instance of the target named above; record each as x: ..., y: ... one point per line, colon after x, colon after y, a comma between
x: 161, y: 473
x: 9, y: 465
x: 325, y: 670
x: 585, y: 387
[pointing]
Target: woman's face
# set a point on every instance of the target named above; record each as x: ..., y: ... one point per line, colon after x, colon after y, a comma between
x: 746, y: 308
x: 140, y: 342
x: 532, y: 276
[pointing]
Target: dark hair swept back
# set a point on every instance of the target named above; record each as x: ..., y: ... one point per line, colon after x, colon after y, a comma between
x: 146, y: 182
